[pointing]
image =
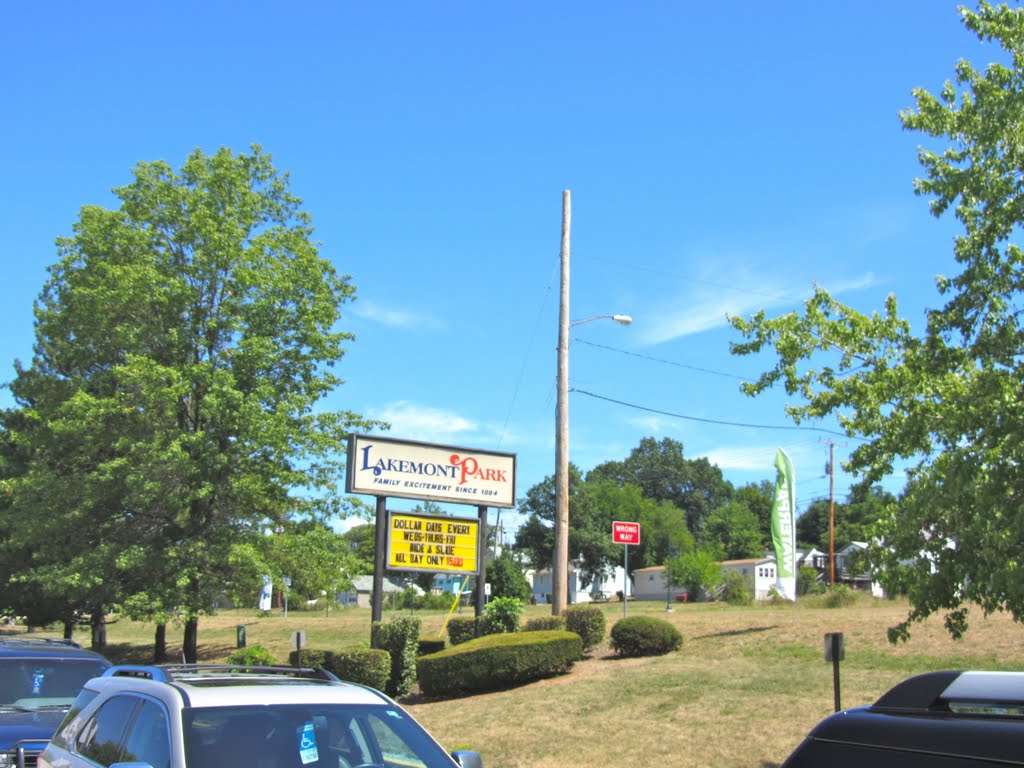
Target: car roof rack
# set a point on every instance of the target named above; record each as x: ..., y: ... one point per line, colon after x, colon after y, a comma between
x: 998, y: 694
x: 165, y: 673
x: 62, y: 641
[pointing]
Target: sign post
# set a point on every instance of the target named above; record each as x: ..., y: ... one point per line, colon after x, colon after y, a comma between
x: 625, y: 533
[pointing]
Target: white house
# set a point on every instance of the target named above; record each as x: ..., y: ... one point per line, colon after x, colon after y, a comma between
x: 361, y: 594
x: 650, y: 584
x: 580, y: 590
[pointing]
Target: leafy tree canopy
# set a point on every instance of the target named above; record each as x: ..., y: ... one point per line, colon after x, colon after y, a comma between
x: 662, y: 473
x: 946, y: 402
x: 184, y: 342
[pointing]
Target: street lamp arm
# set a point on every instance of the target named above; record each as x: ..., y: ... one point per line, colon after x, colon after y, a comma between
x: 623, y: 319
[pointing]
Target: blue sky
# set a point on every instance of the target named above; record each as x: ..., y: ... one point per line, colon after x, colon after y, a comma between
x: 722, y: 158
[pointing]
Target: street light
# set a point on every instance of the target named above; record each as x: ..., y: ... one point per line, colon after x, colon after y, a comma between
x: 560, y: 561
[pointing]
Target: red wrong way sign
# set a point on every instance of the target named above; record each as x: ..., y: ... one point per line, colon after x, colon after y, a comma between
x: 625, y: 533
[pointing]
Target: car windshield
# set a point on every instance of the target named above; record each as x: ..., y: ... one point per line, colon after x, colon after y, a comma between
x: 308, y: 736
x: 44, y: 683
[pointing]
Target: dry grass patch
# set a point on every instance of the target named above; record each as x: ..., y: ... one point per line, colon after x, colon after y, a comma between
x: 744, y: 689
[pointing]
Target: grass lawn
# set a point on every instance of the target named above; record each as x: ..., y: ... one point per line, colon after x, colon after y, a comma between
x: 744, y: 689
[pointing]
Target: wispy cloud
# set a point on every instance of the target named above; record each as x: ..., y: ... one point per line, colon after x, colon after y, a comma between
x: 708, y: 303
x: 395, y: 318
x: 418, y: 422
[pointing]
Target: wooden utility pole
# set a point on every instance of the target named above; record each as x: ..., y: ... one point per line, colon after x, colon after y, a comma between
x: 560, y: 561
x: 832, y: 511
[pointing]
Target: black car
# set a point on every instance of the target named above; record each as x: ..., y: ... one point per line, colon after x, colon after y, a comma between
x: 955, y: 719
x: 39, y: 679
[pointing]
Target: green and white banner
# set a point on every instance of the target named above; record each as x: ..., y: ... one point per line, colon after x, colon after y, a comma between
x: 784, y: 526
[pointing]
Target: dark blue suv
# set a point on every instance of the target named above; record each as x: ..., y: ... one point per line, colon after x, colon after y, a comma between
x: 948, y: 719
x: 39, y: 679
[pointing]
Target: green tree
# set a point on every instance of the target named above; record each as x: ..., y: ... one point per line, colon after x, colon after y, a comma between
x: 183, y: 343
x: 733, y: 529
x: 661, y: 471
x: 590, y: 524
x: 697, y: 571
x: 506, y: 578
x: 757, y: 497
x: 946, y: 402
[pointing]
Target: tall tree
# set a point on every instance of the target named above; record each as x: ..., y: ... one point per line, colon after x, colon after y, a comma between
x: 948, y: 402
x: 170, y: 410
x: 661, y: 471
x: 733, y: 529
x: 590, y: 546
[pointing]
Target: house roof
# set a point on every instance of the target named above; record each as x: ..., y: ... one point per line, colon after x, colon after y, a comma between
x: 748, y: 561
x: 365, y: 584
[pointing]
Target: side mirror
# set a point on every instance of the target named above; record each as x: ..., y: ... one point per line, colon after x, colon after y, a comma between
x: 467, y: 758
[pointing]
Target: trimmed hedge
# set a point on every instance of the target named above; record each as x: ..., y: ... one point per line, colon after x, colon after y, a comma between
x: 461, y: 630
x: 429, y: 645
x: 498, y: 661
x: 365, y: 666
x: 544, y: 622
x: 645, y: 636
x: 588, y: 622
x: 400, y: 637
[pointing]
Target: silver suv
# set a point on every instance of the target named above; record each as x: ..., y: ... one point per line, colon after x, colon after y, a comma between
x: 221, y: 716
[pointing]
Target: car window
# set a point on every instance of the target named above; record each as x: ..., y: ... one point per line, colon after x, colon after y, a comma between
x: 101, y: 736
x: 394, y: 750
x: 66, y: 730
x: 313, y: 736
x: 39, y: 683
x: 149, y: 739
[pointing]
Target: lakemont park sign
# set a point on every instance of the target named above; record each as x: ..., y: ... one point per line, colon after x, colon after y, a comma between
x: 410, y: 541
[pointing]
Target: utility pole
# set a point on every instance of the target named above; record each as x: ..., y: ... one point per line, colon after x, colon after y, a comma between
x: 832, y: 511
x: 560, y: 561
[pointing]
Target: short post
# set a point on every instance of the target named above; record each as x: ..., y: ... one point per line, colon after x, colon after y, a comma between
x: 240, y: 636
x: 834, y: 652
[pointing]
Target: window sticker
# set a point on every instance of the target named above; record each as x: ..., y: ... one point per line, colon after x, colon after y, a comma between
x: 37, y: 682
x: 307, y: 745
x: 394, y: 714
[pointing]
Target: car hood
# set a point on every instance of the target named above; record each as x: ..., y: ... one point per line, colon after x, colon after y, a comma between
x: 31, y: 726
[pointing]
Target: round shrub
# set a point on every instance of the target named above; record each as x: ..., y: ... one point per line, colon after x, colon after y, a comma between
x: 252, y: 656
x: 588, y: 622
x: 645, y: 636
x: 502, y: 614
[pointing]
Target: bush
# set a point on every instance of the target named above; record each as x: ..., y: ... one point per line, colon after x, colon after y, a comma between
x: 735, y: 589
x: 461, y: 630
x: 428, y: 645
x: 588, y: 622
x: 807, y: 582
x: 252, y: 656
x: 501, y: 614
x: 839, y: 596
x: 366, y: 666
x: 544, y: 622
x: 645, y: 636
x: 411, y: 600
x: 400, y: 638
x: 498, y: 661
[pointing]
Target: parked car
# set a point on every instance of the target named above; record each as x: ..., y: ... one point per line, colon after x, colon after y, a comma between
x: 224, y: 716
x: 39, y: 679
x: 954, y: 719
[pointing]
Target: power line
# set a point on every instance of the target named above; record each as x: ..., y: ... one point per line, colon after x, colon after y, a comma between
x: 661, y: 360
x: 711, y: 421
